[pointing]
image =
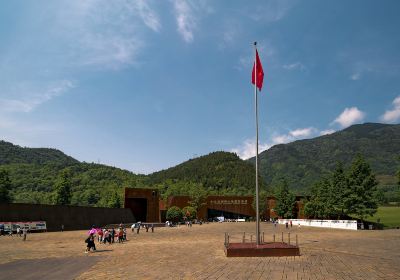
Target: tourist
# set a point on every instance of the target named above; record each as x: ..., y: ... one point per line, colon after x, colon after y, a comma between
x: 112, y: 235
x: 291, y: 224
x: 24, y: 232
x: 124, y: 234
x: 100, y: 235
x: 19, y: 231
x: 90, y: 243
x: 120, y: 235
x: 106, y: 237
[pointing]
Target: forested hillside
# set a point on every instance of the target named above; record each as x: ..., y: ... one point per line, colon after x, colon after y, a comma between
x: 35, y: 173
x: 218, y: 173
x: 303, y: 162
x: 10, y: 153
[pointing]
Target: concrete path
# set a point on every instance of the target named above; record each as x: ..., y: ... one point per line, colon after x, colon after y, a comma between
x: 47, y: 268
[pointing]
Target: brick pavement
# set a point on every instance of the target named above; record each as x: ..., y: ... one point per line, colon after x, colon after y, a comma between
x: 197, y: 253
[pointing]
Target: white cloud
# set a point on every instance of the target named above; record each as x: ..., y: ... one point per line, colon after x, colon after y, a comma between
x: 355, y: 76
x: 294, y: 66
x: 349, y: 116
x: 29, y: 100
x: 185, y: 19
x: 247, y: 149
x: 326, y: 132
x: 302, y: 132
x: 393, y: 115
x: 105, y: 34
x: 149, y: 16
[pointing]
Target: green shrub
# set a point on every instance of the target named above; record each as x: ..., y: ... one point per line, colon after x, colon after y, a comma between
x: 174, y: 214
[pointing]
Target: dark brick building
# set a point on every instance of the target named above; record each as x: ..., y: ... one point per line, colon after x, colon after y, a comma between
x: 147, y: 206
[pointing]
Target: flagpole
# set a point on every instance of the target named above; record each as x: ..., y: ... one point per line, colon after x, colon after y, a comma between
x: 256, y: 111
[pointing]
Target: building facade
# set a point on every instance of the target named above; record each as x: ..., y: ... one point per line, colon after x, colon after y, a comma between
x: 147, y: 206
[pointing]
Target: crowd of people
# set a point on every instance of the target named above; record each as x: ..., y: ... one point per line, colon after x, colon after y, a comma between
x: 105, y: 235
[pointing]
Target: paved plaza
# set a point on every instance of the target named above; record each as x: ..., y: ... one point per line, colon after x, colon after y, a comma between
x: 198, y: 253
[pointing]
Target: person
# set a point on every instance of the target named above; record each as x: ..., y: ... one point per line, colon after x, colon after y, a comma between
x: 152, y: 228
x: 24, y: 232
x: 291, y: 224
x: 112, y: 235
x: 124, y: 234
x: 90, y: 243
x: 106, y: 237
x: 18, y: 231
x: 62, y: 227
x: 138, y: 228
x: 101, y: 233
x: 120, y: 235
x: 287, y: 225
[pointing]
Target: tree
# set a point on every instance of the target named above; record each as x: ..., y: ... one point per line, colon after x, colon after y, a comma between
x: 338, y: 188
x: 5, y: 186
x: 198, y: 196
x: 62, y: 194
x: 174, y: 214
x: 115, y: 200
x: 320, y: 204
x: 189, y: 212
x: 359, y: 197
x: 285, y: 201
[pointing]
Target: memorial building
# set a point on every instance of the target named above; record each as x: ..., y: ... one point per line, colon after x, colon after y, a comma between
x: 147, y: 206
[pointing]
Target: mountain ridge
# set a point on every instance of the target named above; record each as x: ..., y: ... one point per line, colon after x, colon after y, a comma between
x: 307, y: 160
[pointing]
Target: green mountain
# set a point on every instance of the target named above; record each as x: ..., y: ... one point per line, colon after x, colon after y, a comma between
x: 304, y: 162
x: 15, y: 154
x: 34, y: 172
x: 218, y: 173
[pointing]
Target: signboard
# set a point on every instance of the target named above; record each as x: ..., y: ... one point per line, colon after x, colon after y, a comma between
x: 31, y: 226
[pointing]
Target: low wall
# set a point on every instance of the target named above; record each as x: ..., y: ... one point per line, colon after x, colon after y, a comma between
x: 72, y: 217
x: 341, y: 224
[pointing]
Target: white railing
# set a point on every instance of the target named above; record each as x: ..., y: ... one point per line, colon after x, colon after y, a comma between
x: 340, y: 224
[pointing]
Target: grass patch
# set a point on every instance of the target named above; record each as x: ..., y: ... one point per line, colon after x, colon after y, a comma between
x: 389, y: 216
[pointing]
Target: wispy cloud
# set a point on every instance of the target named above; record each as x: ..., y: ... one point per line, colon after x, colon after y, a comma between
x: 327, y: 131
x: 148, y: 15
x: 294, y: 66
x: 247, y: 148
x: 29, y: 100
x: 106, y: 34
x: 393, y: 115
x: 355, y: 76
x: 349, y: 116
x: 185, y: 19
x: 271, y: 11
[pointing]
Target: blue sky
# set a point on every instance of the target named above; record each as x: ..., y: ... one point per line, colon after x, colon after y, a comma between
x: 145, y: 85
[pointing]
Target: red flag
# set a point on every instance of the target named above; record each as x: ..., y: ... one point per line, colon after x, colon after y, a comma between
x: 260, y: 73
